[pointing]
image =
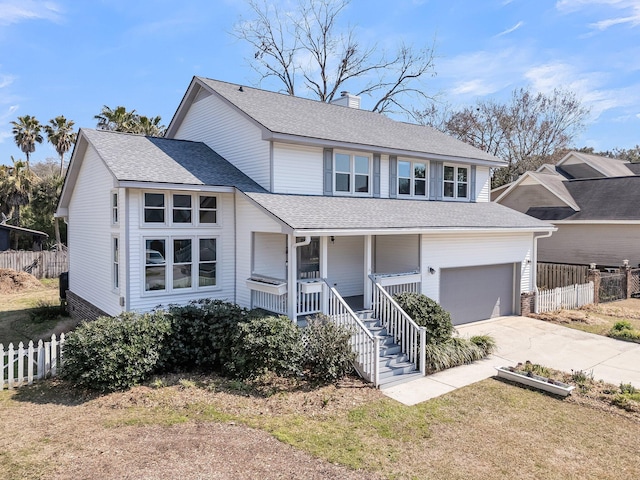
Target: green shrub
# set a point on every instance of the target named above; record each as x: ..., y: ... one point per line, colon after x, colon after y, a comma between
x: 201, y: 335
x: 621, y: 326
x: 45, y: 311
x: 456, y: 351
x: 263, y: 345
x: 429, y: 314
x: 486, y: 343
x: 627, y: 389
x: 328, y: 355
x: 114, y: 353
x: 624, y: 330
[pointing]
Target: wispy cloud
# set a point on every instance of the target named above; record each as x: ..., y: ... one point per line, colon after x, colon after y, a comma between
x: 512, y: 29
x: 14, y: 11
x: 630, y: 10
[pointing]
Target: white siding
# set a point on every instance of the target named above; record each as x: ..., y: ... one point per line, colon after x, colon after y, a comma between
x: 483, y: 184
x: 397, y: 253
x: 270, y: 254
x: 467, y: 249
x: 249, y: 219
x: 297, y: 169
x: 223, y: 232
x: 90, y: 233
x: 584, y: 244
x: 346, y: 265
x: 230, y: 134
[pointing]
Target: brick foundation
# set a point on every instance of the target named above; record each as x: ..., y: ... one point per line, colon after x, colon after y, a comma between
x: 80, y: 309
x: 527, y: 303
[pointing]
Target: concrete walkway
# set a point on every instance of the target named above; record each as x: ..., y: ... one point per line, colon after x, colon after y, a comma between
x: 522, y: 338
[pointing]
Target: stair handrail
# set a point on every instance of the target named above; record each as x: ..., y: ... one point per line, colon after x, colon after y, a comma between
x: 410, y: 336
x: 364, y: 343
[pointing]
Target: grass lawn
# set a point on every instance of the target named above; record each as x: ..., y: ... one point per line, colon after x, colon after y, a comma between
x: 16, y: 322
x: 598, y: 319
x: 169, y: 429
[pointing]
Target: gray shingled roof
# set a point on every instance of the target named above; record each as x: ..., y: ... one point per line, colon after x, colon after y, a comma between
x: 285, y: 114
x: 302, y: 212
x: 557, y: 184
x: 610, y: 167
x: 605, y: 198
x: 160, y: 160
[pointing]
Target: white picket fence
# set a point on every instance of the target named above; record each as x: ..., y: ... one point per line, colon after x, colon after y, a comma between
x: 572, y: 296
x: 20, y: 366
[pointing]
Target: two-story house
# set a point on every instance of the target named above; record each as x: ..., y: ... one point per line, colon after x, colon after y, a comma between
x: 292, y: 205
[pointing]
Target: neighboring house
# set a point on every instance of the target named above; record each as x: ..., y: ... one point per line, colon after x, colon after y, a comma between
x: 255, y: 197
x: 13, y: 237
x: 592, y: 200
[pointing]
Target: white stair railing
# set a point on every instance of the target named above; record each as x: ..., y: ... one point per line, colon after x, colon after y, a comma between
x: 364, y: 343
x: 408, y: 334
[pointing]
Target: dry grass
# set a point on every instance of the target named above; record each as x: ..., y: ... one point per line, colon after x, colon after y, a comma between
x: 596, y: 319
x: 16, y: 324
x: 206, y: 427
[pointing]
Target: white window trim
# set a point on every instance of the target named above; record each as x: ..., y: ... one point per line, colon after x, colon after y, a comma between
x: 115, y: 265
x: 352, y: 166
x: 412, y: 179
x: 168, y: 210
x: 115, y: 210
x: 168, y: 275
x: 455, y: 197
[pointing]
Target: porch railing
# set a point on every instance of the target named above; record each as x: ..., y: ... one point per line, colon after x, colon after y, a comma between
x: 270, y: 302
x: 395, y: 283
x: 364, y: 343
x: 309, y: 296
x: 408, y: 334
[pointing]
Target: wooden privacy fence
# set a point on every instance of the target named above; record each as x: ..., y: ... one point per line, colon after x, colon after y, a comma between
x: 553, y: 275
x: 19, y: 366
x: 572, y: 296
x: 44, y: 264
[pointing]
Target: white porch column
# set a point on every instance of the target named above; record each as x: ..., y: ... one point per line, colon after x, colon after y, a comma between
x: 324, y: 264
x: 368, y: 266
x: 292, y: 280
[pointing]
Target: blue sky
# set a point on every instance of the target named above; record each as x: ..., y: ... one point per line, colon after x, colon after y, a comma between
x: 70, y: 57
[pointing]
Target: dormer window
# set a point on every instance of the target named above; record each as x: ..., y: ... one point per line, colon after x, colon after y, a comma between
x: 352, y: 174
x: 456, y: 182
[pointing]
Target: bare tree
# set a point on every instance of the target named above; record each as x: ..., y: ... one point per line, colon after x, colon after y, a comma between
x: 525, y: 131
x: 307, y: 45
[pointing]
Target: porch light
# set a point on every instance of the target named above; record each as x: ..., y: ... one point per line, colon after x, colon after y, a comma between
x: 333, y: 239
x: 432, y: 270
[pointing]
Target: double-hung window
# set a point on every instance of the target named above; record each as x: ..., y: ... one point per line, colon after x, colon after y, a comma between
x: 114, y: 207
x: 154, y: 204
x: 115, y: 276
x: 179, y: 264
x: 412, y: 178
x: 456, y: 182
x: 181, y: 204
x: 352, y: 174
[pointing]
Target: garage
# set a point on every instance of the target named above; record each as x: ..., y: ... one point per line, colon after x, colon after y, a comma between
x: 477, y: 293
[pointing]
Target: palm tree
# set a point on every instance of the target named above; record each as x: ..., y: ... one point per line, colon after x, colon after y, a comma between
x: 61, y: 135
x: 150, y: 126
x: 16, y: 187
x: 26, y: 132
x: 117, y: 120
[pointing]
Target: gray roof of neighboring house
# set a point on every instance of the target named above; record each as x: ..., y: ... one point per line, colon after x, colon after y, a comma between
x: 615, y: 198
x: 24, y: 230
x: 557, y: 185
x: 606, y: 166
x: 301, y: 117
x: 307, y: 212
x: 159, y: 160
x: 634, y: 167
x: 611, y: 167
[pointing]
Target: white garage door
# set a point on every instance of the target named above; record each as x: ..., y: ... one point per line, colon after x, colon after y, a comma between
x: 477, y: 293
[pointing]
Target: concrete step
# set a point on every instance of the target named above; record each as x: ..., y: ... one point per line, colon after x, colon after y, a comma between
x: 395, y: 370
x: 389, y: 382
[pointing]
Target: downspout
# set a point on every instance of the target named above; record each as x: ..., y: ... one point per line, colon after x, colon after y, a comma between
x: 292, y: 280
x: 534, y: 260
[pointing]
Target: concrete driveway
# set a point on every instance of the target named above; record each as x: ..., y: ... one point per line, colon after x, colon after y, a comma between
x: 522, y: 338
